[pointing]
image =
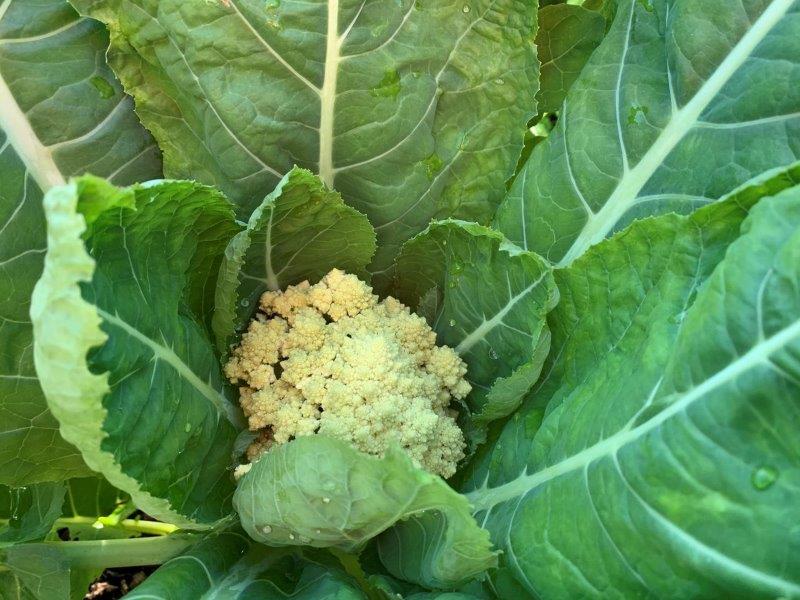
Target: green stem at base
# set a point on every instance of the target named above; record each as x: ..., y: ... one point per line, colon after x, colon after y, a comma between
x: 132, y: 525
x: 105, y: 554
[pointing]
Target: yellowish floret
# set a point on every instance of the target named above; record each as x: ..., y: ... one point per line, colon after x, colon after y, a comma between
x: 332, y: 358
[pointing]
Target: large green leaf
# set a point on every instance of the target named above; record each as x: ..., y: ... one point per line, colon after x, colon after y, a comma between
x: 669, y: 114
x: 34, y: 572
x: 668, y: 461
x: 575, y: 336
x: 61, y: 113
x: 411, y: 109
x: 28, y: 513
x: 567, y: 36
x: 487, y: 299
x: 321, y: 492
x: 61, y: 570
x: 121, y: 313
x: 301, y: 231
x: 229, y: 566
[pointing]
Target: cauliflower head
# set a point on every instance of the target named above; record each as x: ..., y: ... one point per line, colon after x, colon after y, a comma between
x: 332, y: 358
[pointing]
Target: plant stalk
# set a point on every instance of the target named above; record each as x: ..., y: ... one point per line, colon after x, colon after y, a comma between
x: 105, y: 554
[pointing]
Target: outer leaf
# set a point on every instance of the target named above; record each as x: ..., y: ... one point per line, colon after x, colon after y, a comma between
x: 61, y: 113
x: 668, y: 115
x: 120, y: 314
x: 412, y: 110
x: 567, y: 36
x: 572, y: 330
x: 442, y: 596
x: 91, y: 501
x: 229, y: 566
x: 491, y: 302
x: 91, y: 497
x: 668, y: 447
x: 318, y: 491
x: 35, y: 572
x: 30, y: 511
x: 300, y: 232
x: 55, y: 570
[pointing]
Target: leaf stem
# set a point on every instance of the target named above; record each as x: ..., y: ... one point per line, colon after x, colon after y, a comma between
x: 105, y: 554
x: 133, y: 525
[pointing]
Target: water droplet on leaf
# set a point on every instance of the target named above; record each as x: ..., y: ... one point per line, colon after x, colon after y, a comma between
x: 637, y: 115
x: 465, y: 9
x: 433, y: 164
x: 676, y: 319
x: 389, y: 86
x: 187, y: 428
x: 105, y: 89
x: 245, y: 302
x: 291, y: 536
x: 266, y: 530
x: 378, y: 30
x: 326, y: 500
x: 452, y: 322
x: 271, y: 8
x: 499, y: 81
x: 763, y: 477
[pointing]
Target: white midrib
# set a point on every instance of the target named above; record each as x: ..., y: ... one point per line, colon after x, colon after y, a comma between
x: 4, y: 7
x: 36, y: 157
x: 272, y: 278
x: 485, y: 498
x: 480, y: 332
x: 599, y: 225
x: 333, y: 49
x: 169, y: 357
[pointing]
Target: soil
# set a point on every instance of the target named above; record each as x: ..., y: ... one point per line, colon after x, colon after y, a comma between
x: 115, y: 583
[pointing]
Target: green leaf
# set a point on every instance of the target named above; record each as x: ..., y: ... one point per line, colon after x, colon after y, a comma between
x: 121, y: 313
x: 28, y: 513
x: 318, y: 491
x: 667, y: 115
x: 61, y: 113
x: 567, y: 36
x: 488, y: 300
x: 65, y: 569
x: 412, y: 109
x: 89, y: 502
x: 91, y: 497
x: 575, y: 337
x: 442, y: 596
x: 668, y: 447
x: 301, y: 231
x: 229, y: 566
x: 35, y: 571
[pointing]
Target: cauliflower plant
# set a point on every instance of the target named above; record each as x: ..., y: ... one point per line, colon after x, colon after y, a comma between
x: 331, y: 358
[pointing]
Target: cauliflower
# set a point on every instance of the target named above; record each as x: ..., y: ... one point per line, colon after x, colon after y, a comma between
x: 331, y: 358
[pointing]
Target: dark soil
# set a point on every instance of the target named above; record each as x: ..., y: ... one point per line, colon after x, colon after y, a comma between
x: 115, y: 583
